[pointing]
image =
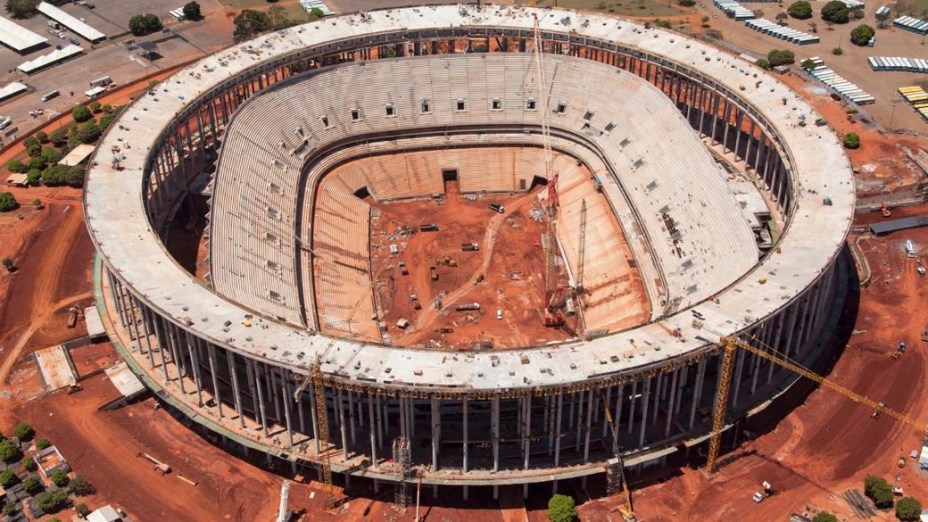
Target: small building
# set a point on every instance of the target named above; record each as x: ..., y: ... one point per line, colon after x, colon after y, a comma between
x: 50, y: 460
x: 17, y: 180
x: 104, y: 514
x: 95, y: 328
x: 78, y: 155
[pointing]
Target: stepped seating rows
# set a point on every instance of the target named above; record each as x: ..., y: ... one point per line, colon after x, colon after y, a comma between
x: 681, y: 202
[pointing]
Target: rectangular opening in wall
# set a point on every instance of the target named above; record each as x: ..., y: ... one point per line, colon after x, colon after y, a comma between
x: 588, y: 115
x: 461, y: 105
x: 449, y: 174
x: 425, y: 106
x: 325, y: 121
x: 609, y: 127
x: 530, y: 105
x: 561, y: 108
x: 496, y: 105
x: 389, y: 110
x: 355, y: 114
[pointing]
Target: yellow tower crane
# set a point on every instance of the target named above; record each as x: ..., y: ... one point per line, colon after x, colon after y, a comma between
x: 732, y: 344
x: 316, y: 378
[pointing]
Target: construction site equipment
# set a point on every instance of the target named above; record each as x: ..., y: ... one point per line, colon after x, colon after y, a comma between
x: 401, y: 458
x: 899, y: 351
x: 432, y: 227
x: 415, y: 302
x: 72, y: 317
x: 467, y: 307
x: 433, y: 274
x: 925, y: 334
x: 284, y: 514
x: 497, y: 208
x: 402, y: 324
x: 316, y: 378
x: 732, y: 344
x: 884, y: 210
x: 901, y: 461
x: 160, y: 466
x: 403, y: 269
x: 470, y: 247
x: 615, y: 470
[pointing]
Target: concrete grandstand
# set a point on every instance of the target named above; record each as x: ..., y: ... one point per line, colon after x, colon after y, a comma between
x: 300, y: 121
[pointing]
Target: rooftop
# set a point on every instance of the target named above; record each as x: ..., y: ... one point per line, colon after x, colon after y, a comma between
x: 812, y: 240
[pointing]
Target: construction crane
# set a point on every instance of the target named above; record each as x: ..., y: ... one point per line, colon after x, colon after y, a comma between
x: 581, y: 249
x: 554, y: 295
x: 316, y: 378
x: 732, y: 344
x: 617, y: 471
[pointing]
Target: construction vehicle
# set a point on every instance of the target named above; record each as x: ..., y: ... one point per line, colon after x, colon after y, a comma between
x: 431, y: 227
x: 901, y: 461
x: 733, y: 344
x: 415, y: 302
x: 925, y: 334
x: 470, y: 247
x: 899, y: 351
x: 73, y: 314
x: 403, y: 269
x: 496, y: 207
x: 468, y: 307
x: 884, y: 210
x: 316, y: 378
x: 616, y: 471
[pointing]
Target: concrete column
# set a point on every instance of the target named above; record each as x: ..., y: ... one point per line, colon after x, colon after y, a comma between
x: 670, y: 407
x: 527, y: 434
x: 147, y: 327
x: 380, y: 421
x: 634, y: 401
x: 589, y: 421
x: 351, y: 417
x: 494, y: 428
x: 230, y: 357
x: 263, y: 417
x: 557, y: 430
x: 195, y: 363
x: 285, y: 392
x: 373, y: 431
x: 579, y: 431
x: 657, y: 397
x: 211, y: 350
x: 341, y: 420
x: 697, y: 390
x: 606, y: 402
x: 644, y: 410
x: 436, y: 432
x: 464, y: 446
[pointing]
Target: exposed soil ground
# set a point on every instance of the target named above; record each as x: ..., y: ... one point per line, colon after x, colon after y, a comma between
x: 510, y: 259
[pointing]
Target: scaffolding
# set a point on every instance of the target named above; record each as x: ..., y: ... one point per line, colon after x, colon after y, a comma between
x: 401, y: 457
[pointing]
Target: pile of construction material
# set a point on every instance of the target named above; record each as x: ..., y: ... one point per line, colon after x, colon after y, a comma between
x: 917, y: 97
x: 898, y: 63
x: 910, y: 23
x: 734, y: 9
x: 781, y: 31
x: 838, y: 84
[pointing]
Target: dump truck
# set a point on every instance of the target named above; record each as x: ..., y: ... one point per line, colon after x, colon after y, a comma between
x: 470, y: 247
x: 415, y: 302
x: 72, y: 317
x: 468, y: 307
x: 403, y: 269
x: 496, y: 207
x: 431, y: 227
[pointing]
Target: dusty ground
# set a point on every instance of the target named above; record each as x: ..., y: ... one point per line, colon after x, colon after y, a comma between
x: 512, y: 276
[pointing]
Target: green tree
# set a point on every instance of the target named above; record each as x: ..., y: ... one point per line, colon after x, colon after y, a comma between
x: 561, y: 508
x: 808, y: 64
x: 90, y: 132
x: 81, y: 114
x: 316, y: 13
x: 107, y: 108
x: 836, y: 12
x: 80, y: 486
x: 23, y: 431
x: 30, y: 141
x: 852, y: 141
x: 74, y: 177
x: 7, y: 203
x: 36, y: 163
x: 250, y: 23
x: 876, y: 487
x: 8, y: 478
x: 762, y: 63
x: 9, y: 508
x: 28, y: 463
x: 59, y: 478
x: 908, y: 509
x: 687, y: 3
x: 42, y: 443
x: 52, y: 177
x: 8, y: 450
x: 781, y: 18
x: 825, y: 516
x: 106, y: 120
x: 50, y: 155
x: 95, y: 106
x: 837, y: 51
x: 862, y: 34
x: 52, y: 501
x: 58, y: 137
x: 22, y: 8
x: 34, y: 150
x: 32, y: 485
x: 82, y: 510
x: 192, y: 11
x: 780, y: 57
x: 42, y: 137
x: 14, y: 165
x: 800, y: 9
x: 142, y: 24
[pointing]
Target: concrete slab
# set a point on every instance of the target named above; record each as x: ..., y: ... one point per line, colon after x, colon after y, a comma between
x: 55, y: 367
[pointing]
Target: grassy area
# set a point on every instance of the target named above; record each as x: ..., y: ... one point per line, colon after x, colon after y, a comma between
x: 640, y: 8
x: 917, y: 8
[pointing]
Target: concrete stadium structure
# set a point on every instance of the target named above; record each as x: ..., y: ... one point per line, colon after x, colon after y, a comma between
x: 641, y: 106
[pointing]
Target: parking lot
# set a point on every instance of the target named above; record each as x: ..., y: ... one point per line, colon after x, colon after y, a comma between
x: 181, y: 42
